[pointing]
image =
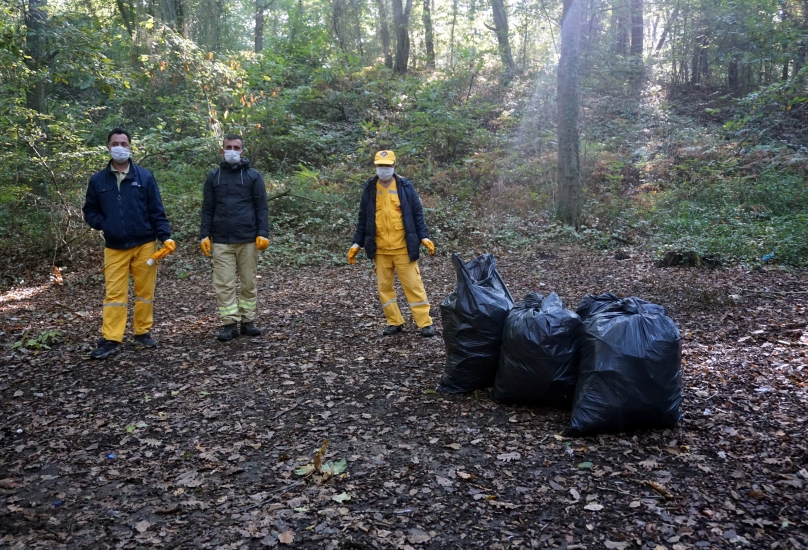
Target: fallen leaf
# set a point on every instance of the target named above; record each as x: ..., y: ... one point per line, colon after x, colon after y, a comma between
x: 342, y: 497
x: 142, y: 526
x: 616, y: 545
x: 593, y: 507
x: 455, y: 446
x: 287, y: 537
x: 507, y: 457
x: 417, y: 536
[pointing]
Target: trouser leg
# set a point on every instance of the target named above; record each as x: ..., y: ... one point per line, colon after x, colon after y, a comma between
x: 410, y: 276
x: 116, y: 277
x: 224, y: 282
x: 385, y: 269
x: 144, y: 277
x: 247, y: 261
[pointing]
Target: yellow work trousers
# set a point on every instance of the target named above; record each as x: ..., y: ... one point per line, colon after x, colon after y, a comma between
x: 118, y: 264
x: 231, y: 261
x: 386, y: 265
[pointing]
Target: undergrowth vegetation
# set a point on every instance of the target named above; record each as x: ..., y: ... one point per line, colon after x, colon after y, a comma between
x: 695, y: 171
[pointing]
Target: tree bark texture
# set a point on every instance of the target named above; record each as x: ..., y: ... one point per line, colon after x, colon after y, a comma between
x: 429, y: 40
x: 384, y: 33
x: 637, y: 27
x: 569, y: 163
x: 501, y: 30
x: 259, y: 27
x: 35, y: 19
x: 401, y: 18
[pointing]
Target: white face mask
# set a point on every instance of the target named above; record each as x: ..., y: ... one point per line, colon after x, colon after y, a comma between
x: 119, y: 154
x: 232, y: 157
x: 384, y: 173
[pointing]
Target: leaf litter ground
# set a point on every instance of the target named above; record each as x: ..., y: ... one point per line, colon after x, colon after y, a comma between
x: 196, y: 444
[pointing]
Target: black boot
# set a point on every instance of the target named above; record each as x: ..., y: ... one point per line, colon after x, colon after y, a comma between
x: 227, y: 332
x: 249, y: 329
x: 392, y: 329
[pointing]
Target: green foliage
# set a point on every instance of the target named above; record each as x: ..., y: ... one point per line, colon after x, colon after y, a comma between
x: 43, y: 340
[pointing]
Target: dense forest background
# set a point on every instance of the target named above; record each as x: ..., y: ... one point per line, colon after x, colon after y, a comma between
x: 663, y: 125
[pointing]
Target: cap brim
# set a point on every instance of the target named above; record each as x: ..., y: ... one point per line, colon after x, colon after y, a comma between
x: 385, y: 162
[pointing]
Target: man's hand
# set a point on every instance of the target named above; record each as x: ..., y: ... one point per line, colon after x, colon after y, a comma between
x: 352, y: 252
x: 205, y: 246
x: 261, y: 243
x: 168, y: 247
x: 430, y: 245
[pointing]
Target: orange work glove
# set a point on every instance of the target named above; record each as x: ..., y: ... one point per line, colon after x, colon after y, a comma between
x: 430, y: 245
x: 261, y: 243
x: 352, y: 252
x: 168, y: 247
x: 205, y: 246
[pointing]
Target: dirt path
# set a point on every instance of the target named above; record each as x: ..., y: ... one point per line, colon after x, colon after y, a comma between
x: 196, y: 443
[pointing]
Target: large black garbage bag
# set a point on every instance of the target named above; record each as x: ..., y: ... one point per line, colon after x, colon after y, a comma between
x: 473, y: 316
x: 629, y: 376
x: 538, y: 361
x: 591, y: 304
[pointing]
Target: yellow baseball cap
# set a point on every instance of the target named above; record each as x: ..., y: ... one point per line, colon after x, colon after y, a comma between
x: 385, y: 158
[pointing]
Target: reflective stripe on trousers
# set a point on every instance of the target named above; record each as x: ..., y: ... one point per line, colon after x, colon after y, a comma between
x: 118, y: 264
x: 387, y: 265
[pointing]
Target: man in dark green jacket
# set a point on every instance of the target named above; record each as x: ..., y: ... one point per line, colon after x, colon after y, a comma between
x: 235, y: 225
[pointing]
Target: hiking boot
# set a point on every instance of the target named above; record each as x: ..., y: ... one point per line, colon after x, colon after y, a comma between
x: 145, y: 340
x: 428, y: 332
x: 105, y: 349
x: 392, y: 329
x: 227, y: 332
x: 249, y: 329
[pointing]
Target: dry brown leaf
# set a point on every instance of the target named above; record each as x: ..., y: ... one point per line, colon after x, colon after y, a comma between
x: 287, y: 537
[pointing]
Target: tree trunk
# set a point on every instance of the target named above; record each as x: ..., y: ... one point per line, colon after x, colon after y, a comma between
x: 127, y: 12
x: 452, y: 34
x: 569, y: 164
x: 501, y: 30
x: 620, y: 24
x: 637, y: 29
x: 259, y: 26
x: 428, y: 35
x: 35, y: 20
x: 384, y: 33
x: 336, y: 12
x: 401, y: 18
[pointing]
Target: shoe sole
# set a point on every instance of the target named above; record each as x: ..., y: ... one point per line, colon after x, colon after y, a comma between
x: 142, y: 345
x: 107, y: 354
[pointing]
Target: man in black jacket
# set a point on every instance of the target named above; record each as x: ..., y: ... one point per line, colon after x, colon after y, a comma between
x: 235, y: 225
x: 124, y: 202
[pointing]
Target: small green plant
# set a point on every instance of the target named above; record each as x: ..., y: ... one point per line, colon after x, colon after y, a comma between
x: 44, y: 340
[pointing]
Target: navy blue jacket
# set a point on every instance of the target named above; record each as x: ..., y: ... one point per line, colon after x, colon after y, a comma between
x: 234, y: 205
x: 130, y: 216
x: 411, y: 212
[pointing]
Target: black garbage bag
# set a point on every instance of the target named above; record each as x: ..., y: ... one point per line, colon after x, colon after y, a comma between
x: 473, y: 316
x: 592, y: 304
x: 538, y: 361
x: 629, y: 376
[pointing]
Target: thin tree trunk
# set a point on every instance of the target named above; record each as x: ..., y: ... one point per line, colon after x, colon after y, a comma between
x: 35, y: 20
x: 401, y: 17
x: 452, y: 33
x: 569, y: 163
x: 637, y: 28
x: 128, y: 15
x: 335, y: 16
x: 384, y: 33
x: 259, y: 26
x: 501, y: 30
x: 428, y: 35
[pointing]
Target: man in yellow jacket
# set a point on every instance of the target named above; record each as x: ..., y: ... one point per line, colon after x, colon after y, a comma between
x: 391, y: 228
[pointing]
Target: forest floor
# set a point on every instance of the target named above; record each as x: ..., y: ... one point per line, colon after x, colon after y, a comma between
x: 196, y: 444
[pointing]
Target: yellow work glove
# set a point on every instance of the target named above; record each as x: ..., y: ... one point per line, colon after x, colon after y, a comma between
x: 430, y: 245
x: 352, y: 252
x: 168, y: 247
x: 261, y: 243
x: 205, y: 246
